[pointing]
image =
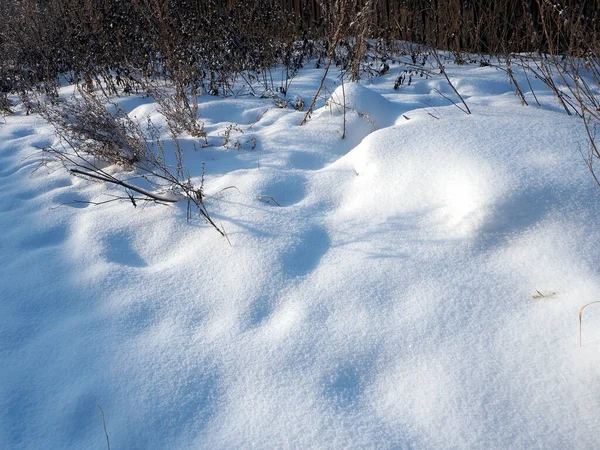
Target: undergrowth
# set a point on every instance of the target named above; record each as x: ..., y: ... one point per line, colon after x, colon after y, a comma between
x: 99, y: 142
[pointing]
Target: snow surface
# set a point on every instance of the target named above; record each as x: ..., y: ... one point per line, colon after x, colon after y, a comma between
x: 377, y: 292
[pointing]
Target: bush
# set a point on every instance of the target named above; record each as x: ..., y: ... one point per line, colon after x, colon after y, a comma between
x: 98, y: 142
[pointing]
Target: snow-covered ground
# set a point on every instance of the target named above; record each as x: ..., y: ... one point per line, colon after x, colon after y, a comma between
x: 378, y: 291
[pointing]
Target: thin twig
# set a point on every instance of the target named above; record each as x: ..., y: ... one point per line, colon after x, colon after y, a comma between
x: 449, y: 99
x: 580, y: 317
x: 530, y: 86
x: 514, y: 82
x: 260, y: 197
x: 123, y: 184
x: 332, y: 45
x: 104, y: 424
x: 443, y: 72
x: 344, y: 101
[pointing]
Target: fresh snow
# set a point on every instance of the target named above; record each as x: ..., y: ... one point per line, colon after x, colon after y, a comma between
x: 380, y: 291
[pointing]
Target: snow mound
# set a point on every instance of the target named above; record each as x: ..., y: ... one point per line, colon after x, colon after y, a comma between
x: 364, y: 101
x: 450, y: 178
x: 395, y: 178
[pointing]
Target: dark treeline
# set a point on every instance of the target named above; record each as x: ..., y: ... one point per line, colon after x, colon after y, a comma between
x: 202, y: 39
x: 488, y: 26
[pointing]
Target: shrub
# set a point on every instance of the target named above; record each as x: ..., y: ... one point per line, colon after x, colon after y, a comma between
x: 95, y: 136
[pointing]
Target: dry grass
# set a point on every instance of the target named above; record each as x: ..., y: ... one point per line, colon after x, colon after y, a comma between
x: 95, y: 136
x: 581, y: 318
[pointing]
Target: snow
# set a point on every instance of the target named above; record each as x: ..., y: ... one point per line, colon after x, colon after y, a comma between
x: 377, y: 292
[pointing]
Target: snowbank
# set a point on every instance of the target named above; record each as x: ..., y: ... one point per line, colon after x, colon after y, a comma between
x: 377, y: 292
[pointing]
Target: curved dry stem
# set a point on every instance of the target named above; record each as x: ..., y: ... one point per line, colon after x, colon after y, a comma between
x: 581, y: 317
